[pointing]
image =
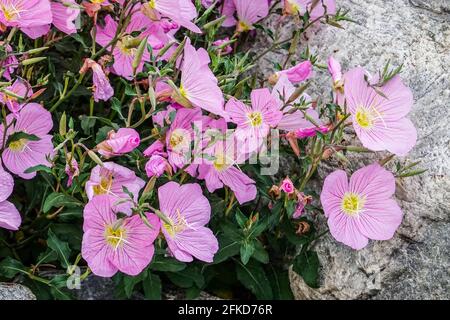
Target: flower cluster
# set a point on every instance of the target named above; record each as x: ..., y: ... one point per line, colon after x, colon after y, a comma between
x: 160, y: 126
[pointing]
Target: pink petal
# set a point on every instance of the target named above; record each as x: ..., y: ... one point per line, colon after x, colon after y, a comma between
x: 9, y: 216
x: 373, y: 182
x: 187, y: 200
x: 380, y: 219
x: 333, y: 190
x: 345, y: 229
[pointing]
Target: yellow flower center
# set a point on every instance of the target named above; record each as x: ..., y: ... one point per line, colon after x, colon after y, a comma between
x: 97, y: 1
x: 255, y: 118
x: 243, y: 27
x: 18, y: 145
x: 115, y: 236
x: 105, y: 185
x: 128, y: 45
x: 173, y: 228
x: 294, y: 8
x: 152, y: 4
x: 352, y: 204
x: 364, y: 118
x: 220, y: 162
x: 10, y: 12
x: 176, y: 138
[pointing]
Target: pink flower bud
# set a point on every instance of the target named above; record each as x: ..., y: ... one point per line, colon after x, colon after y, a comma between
x: 124, y: 141
x: 156, y: 147
x: 334, y: 67
x: 156, y: 166
x: 223, y: 50
x: 287, y: 186
x: 72, y: 170
x: 301, y: 72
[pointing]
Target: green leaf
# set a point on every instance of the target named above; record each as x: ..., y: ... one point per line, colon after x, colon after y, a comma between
x: 129, y: 282
x: 152, y: 286
x: 260, y: 253
x: 187, y: 278
x: 227, y: 248
x: 117, y: 106
x: 9, y: 267
x: 60, y: 247
x: 254, y: 278
x: 39, y: 168
x: 57, y: 200
x: 166, y: 264
x: 307, y: 264
x: 241, y: 218
x: 247, y: 249
x: 280, y: 283
x: 16, y: 136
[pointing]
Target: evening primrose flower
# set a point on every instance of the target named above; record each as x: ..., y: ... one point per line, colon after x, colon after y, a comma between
x: 198, y: 84
x: 9, y: 216
x: 254, y: 122
x: 102, y: 89
x: 21, y: 88
x: 22, y: 154
x: 361, y: 209
x: 111, y: 179
x: 26, y: 15
x: 380, y: 120
x: 186, y: 212
x: 121, y: 142
x: 111, y: 244
x: 250, y: 12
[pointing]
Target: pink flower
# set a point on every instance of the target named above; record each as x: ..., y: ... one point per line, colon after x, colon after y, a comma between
x: 156, y: 166
x: 302, y: 201
x: 228, y: 10
x: 9, y: 216
x: 9, y: 64
x: 380, y: 122
x: 287, y: 186
x: 180, y: 136
x: 222, y: 171
x: 19, y: 155
x: 111, y: 179
x: 198, y: 84
x: 295, y: 7
x: 254, y: 123
x: 111, y: 244
x: 20, y: 88
x: 362, y: 209
x: 311, y: 131
x: 292, y: 121
x: 72, y: 170
x: 125, y: 50
x: 223, y: 50
x: 323, y: 7
x: 156, y: 147
x: 117, y: 143
x: 26, y: 15
x: 334, y: 67
x: 64, y: 15
x: 180, y: 11
x: 299, y: 73
x: 187, y: 211
x: 102, y: 88
x: 250, y: 12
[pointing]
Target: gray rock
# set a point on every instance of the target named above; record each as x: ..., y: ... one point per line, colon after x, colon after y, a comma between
x: 415, y: 263
x: 14, y: 291
x: 98, y: 288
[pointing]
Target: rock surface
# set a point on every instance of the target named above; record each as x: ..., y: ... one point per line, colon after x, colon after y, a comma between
x: 14, y: 291
x: 415, y: 264
x: 98, y: 288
